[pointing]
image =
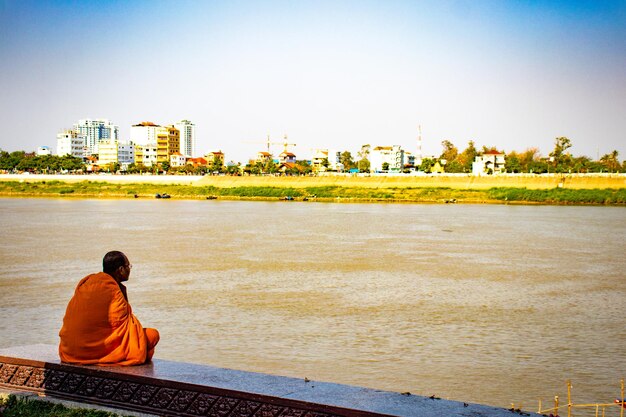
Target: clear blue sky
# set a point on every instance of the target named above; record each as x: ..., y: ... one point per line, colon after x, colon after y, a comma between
x: 330, y: 74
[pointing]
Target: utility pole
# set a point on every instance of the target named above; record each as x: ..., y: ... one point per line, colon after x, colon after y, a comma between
x: 419, y: 143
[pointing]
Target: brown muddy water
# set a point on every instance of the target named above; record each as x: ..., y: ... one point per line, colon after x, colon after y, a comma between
x: 480, y: 303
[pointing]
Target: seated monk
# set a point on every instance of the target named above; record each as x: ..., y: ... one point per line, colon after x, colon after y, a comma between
x: 99, y: 327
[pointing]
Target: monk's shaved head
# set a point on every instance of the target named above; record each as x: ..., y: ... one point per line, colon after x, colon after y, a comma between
x: 113, y: 260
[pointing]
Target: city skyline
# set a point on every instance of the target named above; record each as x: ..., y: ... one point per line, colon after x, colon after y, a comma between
x: 328, y: 74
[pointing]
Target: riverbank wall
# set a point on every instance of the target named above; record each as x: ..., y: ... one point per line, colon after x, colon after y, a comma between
x: 454, y: 181
x: 169, y: 388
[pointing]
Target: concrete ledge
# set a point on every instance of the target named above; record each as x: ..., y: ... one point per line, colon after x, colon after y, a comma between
x: 181, y: 389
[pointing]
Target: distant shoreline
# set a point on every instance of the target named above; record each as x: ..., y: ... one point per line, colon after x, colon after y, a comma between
x: 607, y: 190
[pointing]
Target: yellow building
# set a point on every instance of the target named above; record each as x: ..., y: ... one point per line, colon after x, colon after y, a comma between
x: 173, y: 140
x: 107, y: 153
x: 437, y: 168
x: 139, y: 155
x: 215, y: 158
x: 168, y: 143
x: 263, y: 157
x: 162, y: 141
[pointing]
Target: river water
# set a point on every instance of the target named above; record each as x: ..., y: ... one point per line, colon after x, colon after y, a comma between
x: 479, y: 303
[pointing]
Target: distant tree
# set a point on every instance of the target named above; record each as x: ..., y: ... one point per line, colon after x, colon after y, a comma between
x: 611, y: 162
x: 142, y: 168
x: 200, y: 170
x: 9, y: 161
x: 426, y: 165
x: 71, y: 163
x: 512, y: 163
x: 232, y: 169
x: 561, y: 161
x: 364, y: 165
x: 468, y: 156
x: 294, y: 170
x: 580, y: 164
x: 26, y: 164
x: 30, y: 162
x: 490, y: 149
x: 216, y: 165
x: 527, y: 158
x: 305, y: 167
x: 454, y: 167
x: 187, y: 169
x: 538, y: 167
x: 566, y: 164
x: 270, y: 167
x: 253, y: 168
x: 450, y: 152
x: 364, y: 153
x: 346, y: 159
x: 595, y: 166
x: 165, y: 166
x: 385, y: 166
x: 325, y: 163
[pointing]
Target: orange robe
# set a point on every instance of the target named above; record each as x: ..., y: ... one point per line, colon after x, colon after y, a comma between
x: 99, y: 327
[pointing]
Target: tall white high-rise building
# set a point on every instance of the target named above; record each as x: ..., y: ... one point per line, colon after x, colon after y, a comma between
x: 187, y: 138
x: 69, y: 142
x: 95, y: 131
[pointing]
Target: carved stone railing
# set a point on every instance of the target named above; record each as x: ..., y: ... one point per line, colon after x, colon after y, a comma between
x: 181, y: 389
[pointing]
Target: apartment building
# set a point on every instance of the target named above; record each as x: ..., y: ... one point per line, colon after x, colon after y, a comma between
x: 144, y: 133
x: 96, y: 131
x: 125, y: 155
x: 115, y: 152
x: 157, y: 142
x: 107, y: 154
x: 187, y: 138
x: 69, y: 142
x: 146, y: 155
x: 332, y: 156
x: 391, y: 155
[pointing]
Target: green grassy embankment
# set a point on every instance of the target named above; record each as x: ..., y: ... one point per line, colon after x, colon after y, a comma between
x: 86, y: 189
x: 13, y: 406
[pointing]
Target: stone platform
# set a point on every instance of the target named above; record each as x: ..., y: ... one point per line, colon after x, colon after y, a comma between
x: 169, y: 388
